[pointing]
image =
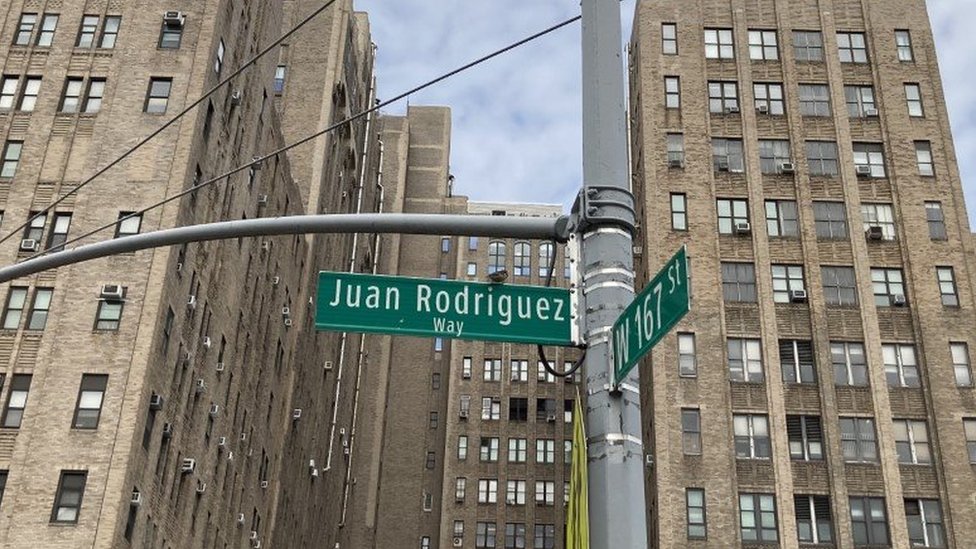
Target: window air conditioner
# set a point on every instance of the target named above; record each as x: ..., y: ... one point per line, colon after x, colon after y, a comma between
x: 798, y: 296
x: 174, y: 18
x: 111, y: 291
x: 222, y: 442
x: 262, y: 200
x: 220, y: 366
x: 288, y: 323
x: 136, y: 499
x: 285, y: 311
x: 188, y: 465
x: 731, y: 110
x: 236, y: 98
x: 201, y: 487
x: 191, y: 301
x: 551, y: 418
x: 898, y: 300
x: 296, y: 414
x: 155, y: 402
x: 240, y: 518
x: 863, y: 171
x: 871, y: 112
x: 787, y: 168
x: 875, y: 232
x: 28, y: 245
x: 207, y: 342
x: 214, y: 410
x: 742, y: 228
x: 201, y: 386
x: 458, y: 541
x: 167, y: 430
x: 675, y: 163
x: 763, y: 109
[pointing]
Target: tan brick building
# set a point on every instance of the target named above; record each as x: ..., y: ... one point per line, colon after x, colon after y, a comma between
x: 820, y: 391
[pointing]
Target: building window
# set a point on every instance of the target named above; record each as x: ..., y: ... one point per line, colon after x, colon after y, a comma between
x: 28, y: 99
x: 432, y: 420
x: 773, y: 154
x: 796, y: 360
x: 93, y: 99
x: 913, y: 95
x: 49, y: 24
x: 718, y: 44
x: 485, y: 535
x: 762, y: 45
x: 13, y: 414
x: 787, y: 279
x: 16, y: 301
x: 8, y: 91
x: 672, y: 92
x: 727, y: 155
x: 923, y: 155
x: 472, y: 269
x: 460, y: 487
x: 40, y: 307
x: 679, y: 212
x: 669, y: 38
x: 870, y: 155
x: 545, y: 451
x: 219, y: 58
x: 129, y: 224
x: 912, y: 442
x: 808, y: 45
x: 425, y: 540
x: 86, y: 34
x: 543, y: 375
x: 695, y: 505
x: 89, y: 406
x: 879, y: 215
x: 813, y: 523
x: 769, y: 99
x: 489, y: 449
x: 445, y: 244
x: 431, y: 461
x: 691, y: 441
x: 25, y: 28
x: 781, y: 218
x: 466, y: 367
x: 745, y: 360
x: 969, y: 427
x: 545, y: 492
x: 496, y: 256
x: 491, y: 408
x: 822, y: 158
x: 869, y: 521
x: 11, y: 158
x: 514, y: 535
x: 830, y: 220
x: 838, y: 286
x: 170, y: 35
x: 517, y: 450
x: 731, y: 212
x: 545, y: 536
x: 903, y: 41
x: 110, y: 31
x: 462, y: 447
x: 522, y: 265
x: 739, y: 282
x: 814, y: 100
x: 567, y: 452
x: 757, y: 518
x: 858, y: 441
x: 493, y: 369
x: 805, y: 438
x: 925, y: 528
x: 852, y: 47
x: 676, y: 150
x: 947, y: 286
x: 518, y: 409
x: 901, y: 367
x: 59, y: 231
x: 936, y: 220
x: 860, y: 101
x: 515, y: 493
x: 751, y: 436
x: 723, y: 97
x: 109, y: 314
x: 157, y: 97
x: 281, y: 72
x: 67, y: 501
x: 520, y: 370
x: 71, y: 100
x: 546, y: 259
x: 889, y: 287
x: 960, y: 364
x: 687, y: 363
x: 850, y: 364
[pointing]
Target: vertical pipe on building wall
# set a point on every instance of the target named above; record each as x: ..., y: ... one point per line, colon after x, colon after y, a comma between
x: 352, y: 260
x: 362, y: 348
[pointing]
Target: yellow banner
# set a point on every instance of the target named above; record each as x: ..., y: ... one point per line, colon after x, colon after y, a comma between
x: 577, y: 513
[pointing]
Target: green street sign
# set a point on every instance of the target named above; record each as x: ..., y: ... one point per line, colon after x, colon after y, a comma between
x: 651, y: 314
x: 400, y: 305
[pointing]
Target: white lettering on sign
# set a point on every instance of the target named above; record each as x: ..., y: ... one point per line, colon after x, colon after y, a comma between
x: 373, y: 293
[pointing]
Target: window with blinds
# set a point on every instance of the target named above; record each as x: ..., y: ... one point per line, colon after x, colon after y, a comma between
x: 796, y: 360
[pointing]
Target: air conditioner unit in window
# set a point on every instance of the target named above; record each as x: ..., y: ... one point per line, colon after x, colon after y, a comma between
x: 264, y: 484
x: 188, y: 465
x: 798, y: 296
x: 136, y: 499
x: 275, y: 281
x: 551, y: 418
x: 167, y: 430
x: 288, y: 323
x: 285, y: 311
x: 742, y: 228
x: 870, y: 112
x: 262, y: 200
x: 191, y: 301
x: 253, y: 535
x: 28, y: 245
x: 214, y: 410
x: 874, y: 232
x: 296, y: 414
x: 220, y: 366
x: 314, y: 473
x: 240, y: 518
x: 342, y: 431
x: 675, y: 163
x: 327, y: 366
x: 256, y: 544
x: 174, y: 18
x: 458, y: 541
x: 222, y: 442
x: 111, y: 291
x: 863, y: 171
x: 899, y: 300
x: 201, y: 487
x: 236, y: 98
x: 763, y: 109
x: 155, y: 402
x: 243, y: 437
x: 345, y: 452
x: 463, y: 414
x: 731, y: 110
x: 723, y: 166
x: 266, y: 245
x: 201, y: 386
x: 649, y: 459
x: 207, y: 342
x: 638, y: 250
x: 787, y: 168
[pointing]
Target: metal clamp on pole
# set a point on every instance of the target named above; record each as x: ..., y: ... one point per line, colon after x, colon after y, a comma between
x: 603, y: 205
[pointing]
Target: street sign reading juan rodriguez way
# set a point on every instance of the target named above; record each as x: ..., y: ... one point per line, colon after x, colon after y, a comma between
x: 653, y: 312
x: 400, y: 305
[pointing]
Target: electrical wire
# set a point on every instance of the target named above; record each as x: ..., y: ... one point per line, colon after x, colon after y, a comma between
x: 542, y: 353
x: 259, y: 159
x: 171, y: 121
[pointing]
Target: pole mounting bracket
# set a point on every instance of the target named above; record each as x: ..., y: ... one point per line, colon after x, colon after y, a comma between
x: 604, y: 205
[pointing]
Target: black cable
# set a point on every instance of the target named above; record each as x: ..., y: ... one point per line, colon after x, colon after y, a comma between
x: 260, y: 159
x: 169, y: 122
x: 542, y: 352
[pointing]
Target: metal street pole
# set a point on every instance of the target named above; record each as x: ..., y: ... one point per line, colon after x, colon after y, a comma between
x: 605, y: 215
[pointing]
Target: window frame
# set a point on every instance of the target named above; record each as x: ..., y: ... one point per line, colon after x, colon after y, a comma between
x: 924, y: 158
x: 903, y: 46
x: 730, y: 212
x: 786, y: 279
x: 773, y: 153
x: 852, y: 47
x: 169, y: 30
x: 935, y: 218
x: 871, y: 522
x: 820, y: 527
x: 522, y: 259
x: 808, y: 47
x: 819, y: 158
x: 109, y: 35
x: 930, y: 523
x: 855, y: 373
x: 904, y: 370
x: 862, y: 438
x: 771, y: 96
x: 739, y: 288
x: 698, y: 519
x: 761, y: 507
x: 721, y: 41
x: 961, y: 363
x: 969, y: 432
x: 21, y: 292
x: 814, y: 100
x: 945, y: 277
x: 916, y: 109
x: 886, y: 283
x: 13, y: 150
x: 723, y: 96
x: 836, y: 294
x: 19, y: 383
x: 749, y: 441
x: 90, y: 383
x: 687, y: 361
x: 672, y: 92
x: 728, y: 152
x: 691, y: 432
x: 155, y: 102
x: 40, y: 308
x: 45, y: 35
x: 879, y: 215
x: 108, y: 315
x: 87, y: 31
x: 25, y: 29
x: 782, y: 218
x: 75, y: 476
x: 859, y: 98
x: 27, y: 99
x: 760, y: 48
x: 669, y: 38
x: 871, y: 155
x: 912, y: 442
x: 805, y: 438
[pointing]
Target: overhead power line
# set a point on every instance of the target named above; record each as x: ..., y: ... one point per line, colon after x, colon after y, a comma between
x: 171, y: 121
x: 259, y: 159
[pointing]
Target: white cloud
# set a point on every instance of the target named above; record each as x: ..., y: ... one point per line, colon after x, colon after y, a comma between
x: 516, y: 119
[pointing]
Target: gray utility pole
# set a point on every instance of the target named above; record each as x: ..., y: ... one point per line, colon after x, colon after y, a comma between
x: 605, y: 212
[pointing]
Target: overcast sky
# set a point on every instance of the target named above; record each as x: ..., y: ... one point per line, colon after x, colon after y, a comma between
x: 516, y: 119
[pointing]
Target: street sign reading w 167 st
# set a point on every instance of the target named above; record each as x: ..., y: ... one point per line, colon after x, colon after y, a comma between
x: 432, y: 307
x: 653, y: 312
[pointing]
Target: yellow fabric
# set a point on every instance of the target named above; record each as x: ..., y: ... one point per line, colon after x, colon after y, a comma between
x: 577, y: 513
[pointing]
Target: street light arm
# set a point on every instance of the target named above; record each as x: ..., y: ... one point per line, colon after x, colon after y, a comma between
x: 420, y: 224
